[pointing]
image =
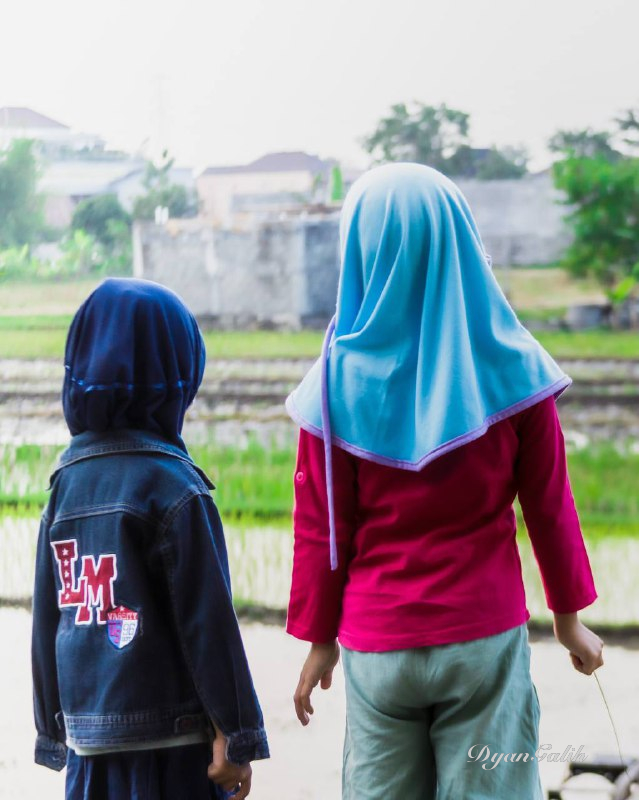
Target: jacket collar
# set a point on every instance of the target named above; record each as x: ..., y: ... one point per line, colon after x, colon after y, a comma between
x: 91, y: 444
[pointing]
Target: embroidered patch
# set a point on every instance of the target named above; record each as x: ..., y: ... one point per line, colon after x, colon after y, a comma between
x: 93, y: 589
x: 122, y: 625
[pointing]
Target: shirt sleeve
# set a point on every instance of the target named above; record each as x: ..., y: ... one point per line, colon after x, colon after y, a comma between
x: 50, y: 748
x: 195, y: 559
x: 316, y: 591
x: 549, y: 510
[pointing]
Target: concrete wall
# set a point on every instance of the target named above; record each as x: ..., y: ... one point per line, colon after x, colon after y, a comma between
x: 520, y: 221
x: 285, y: 272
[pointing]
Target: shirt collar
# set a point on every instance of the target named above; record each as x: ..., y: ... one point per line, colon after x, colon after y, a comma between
x: 91, y: 444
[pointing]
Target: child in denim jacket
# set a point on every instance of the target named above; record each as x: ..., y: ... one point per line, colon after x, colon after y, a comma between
x: 138, y: 662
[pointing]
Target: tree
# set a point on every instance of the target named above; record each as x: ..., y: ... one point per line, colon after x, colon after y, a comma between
x: 628, y: 126
x: 605, y: 218
x: 161, y: 192
x: 80, y: 254
x: 599, y: 176
x: 487, y: 164
x: 439, y: 137
x: 586, y: 143
x: 423, y: 134
x: 96, y: 216
x: 21, y: 207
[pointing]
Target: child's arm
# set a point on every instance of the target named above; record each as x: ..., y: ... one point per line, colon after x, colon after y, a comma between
x: 584, y: 646
x: 194, y: 555
x: 50, y: 749
x: 316, y: 591
x: 553, y: 526
x: 234, y: 779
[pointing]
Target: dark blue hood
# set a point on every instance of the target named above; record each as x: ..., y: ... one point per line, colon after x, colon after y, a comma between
x: 134, y: 359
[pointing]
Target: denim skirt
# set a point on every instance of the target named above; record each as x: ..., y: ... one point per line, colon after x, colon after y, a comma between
x: 171, y: 773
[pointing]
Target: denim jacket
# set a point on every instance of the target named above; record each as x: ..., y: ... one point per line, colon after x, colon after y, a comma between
x: 135, y: 640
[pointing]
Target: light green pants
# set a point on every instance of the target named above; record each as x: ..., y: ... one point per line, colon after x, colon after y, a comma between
x: 413, y: 715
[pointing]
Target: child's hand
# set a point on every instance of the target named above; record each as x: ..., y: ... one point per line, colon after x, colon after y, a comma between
x: 585, y: 647
x: 227, y: 775
x: 318, y: 668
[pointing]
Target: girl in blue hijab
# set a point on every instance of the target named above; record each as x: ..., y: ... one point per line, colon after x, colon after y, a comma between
x: 430, y: 408
x: 141, y: 684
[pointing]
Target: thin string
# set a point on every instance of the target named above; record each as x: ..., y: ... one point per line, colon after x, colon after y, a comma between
x: 328, y: 453
x: 612, y: 723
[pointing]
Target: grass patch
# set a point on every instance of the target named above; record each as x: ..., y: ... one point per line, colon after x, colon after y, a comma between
x: 33, y: 337
x: 263, y: 344
x: 590, y: 344
x: 32, y: 344
x: 34, y: 318
x: 255, y: 483
x: 532, y: 287
x: 532, y: 316
x: 48, y: 298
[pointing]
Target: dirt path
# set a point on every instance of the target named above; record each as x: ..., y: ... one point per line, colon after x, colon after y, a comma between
x: 305, y: 763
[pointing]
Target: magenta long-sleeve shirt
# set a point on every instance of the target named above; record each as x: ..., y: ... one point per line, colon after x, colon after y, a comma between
x: 430, y: 557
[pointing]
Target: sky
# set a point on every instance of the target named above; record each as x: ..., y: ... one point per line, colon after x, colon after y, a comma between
x: 224, y: 82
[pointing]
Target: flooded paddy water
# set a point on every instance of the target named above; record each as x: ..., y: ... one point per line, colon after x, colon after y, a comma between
x: 245, y: 397
x: 260, y: 558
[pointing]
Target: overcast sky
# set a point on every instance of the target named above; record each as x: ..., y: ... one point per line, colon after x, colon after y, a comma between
x: 224, y: 82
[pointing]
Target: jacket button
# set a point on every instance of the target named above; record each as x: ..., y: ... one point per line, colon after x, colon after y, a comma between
x: 299, y: 477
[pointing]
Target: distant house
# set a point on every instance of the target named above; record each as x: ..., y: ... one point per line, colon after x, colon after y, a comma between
x: 52, y: 138
x: 76, y: 166
x: 276, y: 181
x: 66, y: 183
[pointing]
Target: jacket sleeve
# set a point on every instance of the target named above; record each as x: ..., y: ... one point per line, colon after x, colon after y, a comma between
x: 549, y: 510
x: 195, y: 559
x: 315, y: 603
x: 50, y: 749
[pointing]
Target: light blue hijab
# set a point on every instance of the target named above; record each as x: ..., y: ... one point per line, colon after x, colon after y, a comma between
x: 424, y: 352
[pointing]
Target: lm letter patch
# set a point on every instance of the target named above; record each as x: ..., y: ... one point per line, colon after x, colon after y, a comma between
x: 93, y: 590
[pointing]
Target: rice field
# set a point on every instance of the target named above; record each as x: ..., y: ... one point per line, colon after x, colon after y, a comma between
x: 252, y: 458
x: 255, y: 495
x: 44, y: 337
x: 255, y: 482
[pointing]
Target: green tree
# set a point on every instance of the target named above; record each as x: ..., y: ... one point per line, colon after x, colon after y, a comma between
x: 80, y: 254
x: 423, y: 134
x: 161, y: 192
x: 439, y: 137
x: 599, y: 175
x: 585, y: 143
x: 604, y: 196
x: 21, y: 207
x: 628, y: 126
x: 487, y: 164
x: 99, y: 216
